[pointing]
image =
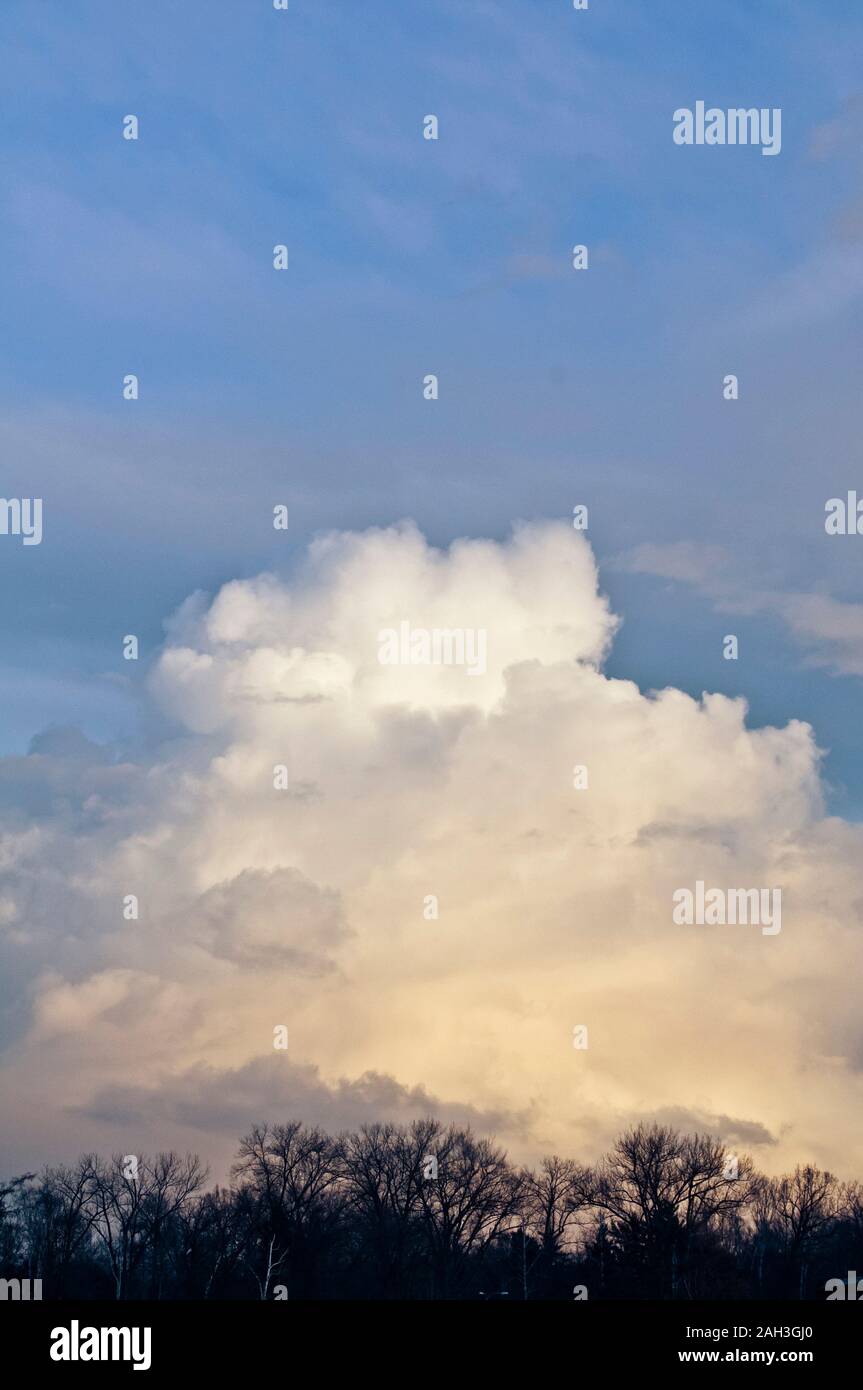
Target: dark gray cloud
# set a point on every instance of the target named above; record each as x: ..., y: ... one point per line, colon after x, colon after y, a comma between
x: 745, y: 1133
x: 225, y: 1101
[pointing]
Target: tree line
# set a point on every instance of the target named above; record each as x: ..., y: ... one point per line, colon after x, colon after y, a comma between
x: 429, y: 1211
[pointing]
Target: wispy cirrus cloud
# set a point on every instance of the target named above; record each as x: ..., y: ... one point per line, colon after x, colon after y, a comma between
x: 828, y: 630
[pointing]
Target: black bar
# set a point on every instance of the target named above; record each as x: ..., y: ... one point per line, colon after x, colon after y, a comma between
x: 226, y: 1338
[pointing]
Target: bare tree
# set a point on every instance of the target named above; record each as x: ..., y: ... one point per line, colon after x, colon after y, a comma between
x: 131, y: 1204
x: 424, y: 1210
x: 60, y: 1219
x: 115, y: 1202
x: 474, y: 1199
x: 13, y: 1199
x: 169, y: 1182
x: 212, y: 1240
x: 653, y: 1170
x: 286, y: 1177
x: 664, y: 1192
x: 553, y: 1197
x: 804, y: 1206
x: 849, y: 1204
x: 384, y: 1167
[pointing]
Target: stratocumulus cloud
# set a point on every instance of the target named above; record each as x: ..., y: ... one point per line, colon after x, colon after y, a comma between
x: 303, y: 904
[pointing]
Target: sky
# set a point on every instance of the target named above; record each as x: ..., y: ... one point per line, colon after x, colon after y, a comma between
x: 557, y: 388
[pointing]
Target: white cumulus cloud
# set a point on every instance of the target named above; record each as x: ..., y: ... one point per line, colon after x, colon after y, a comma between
x: 304, y: 906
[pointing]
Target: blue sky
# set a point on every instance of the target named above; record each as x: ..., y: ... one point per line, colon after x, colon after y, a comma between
x: 407, y: 257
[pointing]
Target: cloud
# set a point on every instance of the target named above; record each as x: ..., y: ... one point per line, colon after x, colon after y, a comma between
x: 690, y: 562
x: 312, y: 906
x: 357, y: 586
x: 829, y: 630
x: 747, y: 1134
x: 277, y: 918
x: 827, y: 280
x: 226, y: 1103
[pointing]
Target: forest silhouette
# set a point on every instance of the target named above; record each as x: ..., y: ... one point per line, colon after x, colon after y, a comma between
x: 429, y: 1211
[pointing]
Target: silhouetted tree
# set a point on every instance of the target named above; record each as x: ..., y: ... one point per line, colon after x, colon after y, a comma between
x: 428, y: 1211
x: 288, y: 1196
